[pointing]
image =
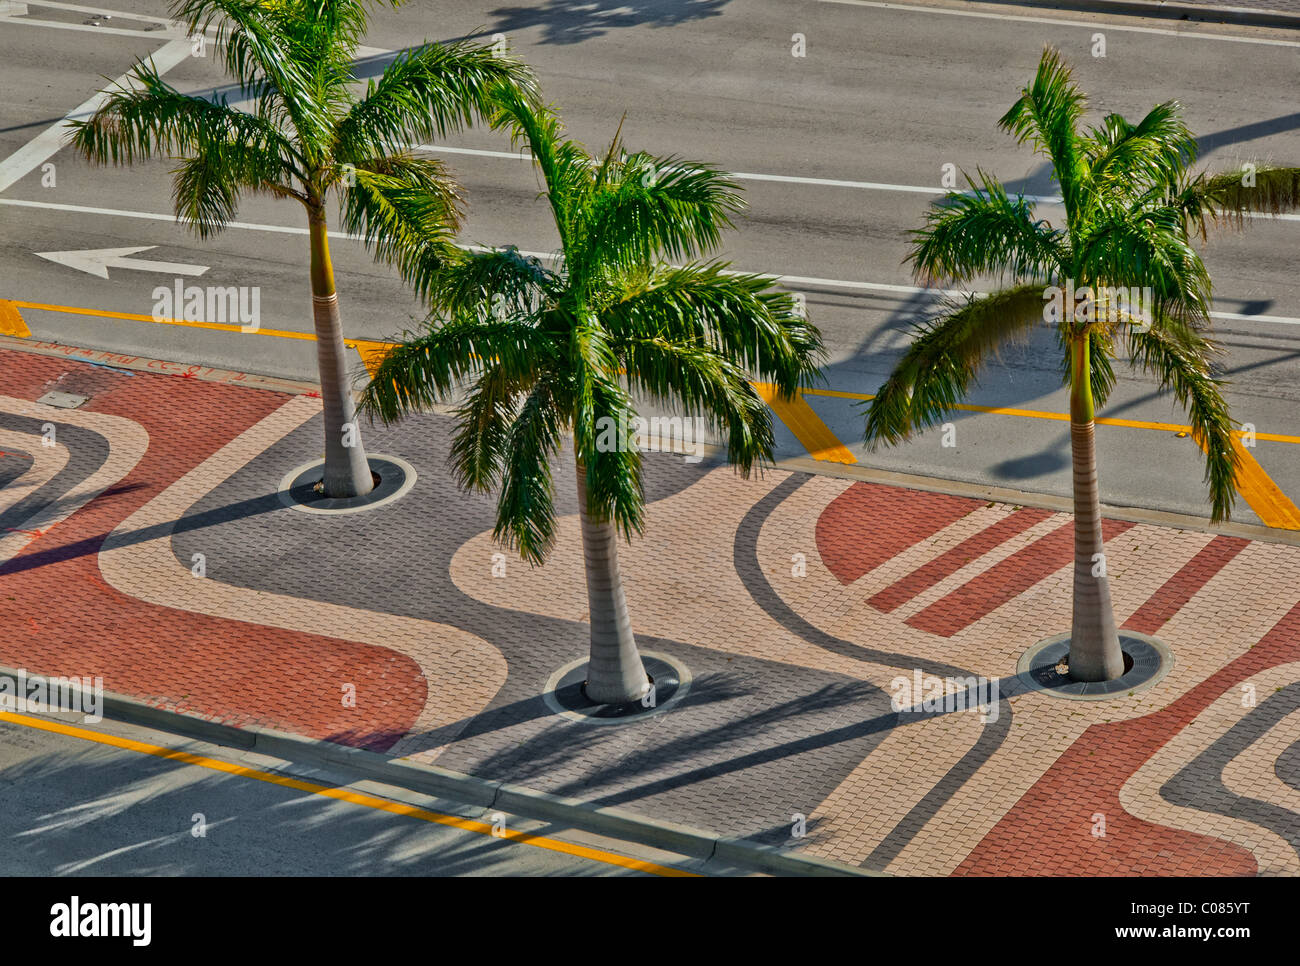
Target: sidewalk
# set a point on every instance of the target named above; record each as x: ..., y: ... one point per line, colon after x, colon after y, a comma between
x: 789, y: 709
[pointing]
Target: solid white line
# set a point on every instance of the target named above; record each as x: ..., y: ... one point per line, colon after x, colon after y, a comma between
x: 153, y: 216
x: 1280, y: 319
x: 788, y: 178
x: 548, y: 256
x: 1090, y: 24
x: 77, y: 8
x: 117, y: 31
x: 46, y: 144
x: 524, y: 155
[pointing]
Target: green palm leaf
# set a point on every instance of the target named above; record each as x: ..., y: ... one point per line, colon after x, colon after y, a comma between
x: 945, y: 357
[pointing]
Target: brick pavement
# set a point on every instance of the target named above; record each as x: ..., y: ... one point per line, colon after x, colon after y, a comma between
x: 796, y: 601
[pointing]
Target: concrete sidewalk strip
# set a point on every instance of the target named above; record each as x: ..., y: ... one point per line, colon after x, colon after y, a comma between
x: 469, y: 790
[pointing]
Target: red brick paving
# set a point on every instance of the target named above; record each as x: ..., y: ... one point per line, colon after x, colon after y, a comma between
x: 1088, y: 777
x: 947, y: 564
x: 869, y: 524
x: 1005, y: 581
x: 64, y: 619
x: 1183, y: 586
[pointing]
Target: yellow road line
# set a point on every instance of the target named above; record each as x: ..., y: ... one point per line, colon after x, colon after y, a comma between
x: 813, y: 434
x: 133, y: 317
x: 1256, y: 487
x: 344, y: 795
x: 372, y: 353
x: 1058, y: 417
x: 1268, y: 501
x: 1265, y: 498
x: 11, y: 321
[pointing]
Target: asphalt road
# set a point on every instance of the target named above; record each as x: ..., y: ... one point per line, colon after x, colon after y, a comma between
x: 70, y: 806
x: 883, y: 99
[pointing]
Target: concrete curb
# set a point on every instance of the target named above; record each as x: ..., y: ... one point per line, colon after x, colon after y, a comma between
x: 469, y: 790
x: 1243, y: 16
x: 1046, y: 501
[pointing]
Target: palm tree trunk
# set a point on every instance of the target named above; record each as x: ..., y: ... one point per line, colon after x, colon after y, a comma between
x: 1095, y: 653
x: 615, y: 673
x: 347, y: 473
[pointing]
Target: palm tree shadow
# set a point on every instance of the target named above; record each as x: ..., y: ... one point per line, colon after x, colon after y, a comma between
x: 511, y: 713
x: 194, y: 521
x: 574, y: 21
x: 129, y: 815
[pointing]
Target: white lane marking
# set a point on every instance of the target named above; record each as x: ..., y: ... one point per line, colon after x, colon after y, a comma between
x: 46, y: 144
x: 549, y: 256
x: 1090, y: 24
x: 524, y: 155
x: 116, y: 31
x: 97, y: 261
x: 101, y: 11
x: 154, y: 216
x: 1279, y: 319
x: 790, y: 179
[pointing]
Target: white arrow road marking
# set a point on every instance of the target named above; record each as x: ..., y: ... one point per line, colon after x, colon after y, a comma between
x: 549, y: 256
x: 97, y: 261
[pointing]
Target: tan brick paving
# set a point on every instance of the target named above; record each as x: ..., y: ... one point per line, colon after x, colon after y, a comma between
x: 1141, y: 794
x: 689, y: 550
x: 462, y: 671
x: 683, y: 584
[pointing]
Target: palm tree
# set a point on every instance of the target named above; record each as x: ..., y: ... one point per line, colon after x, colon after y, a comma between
x: 306, y: 135
x: 549, y: 351
x: 1131, y: 207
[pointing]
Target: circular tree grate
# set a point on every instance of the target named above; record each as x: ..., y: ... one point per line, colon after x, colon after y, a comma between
x: 301, y: 490
x: 1044, y: 668
x: 565, y: 693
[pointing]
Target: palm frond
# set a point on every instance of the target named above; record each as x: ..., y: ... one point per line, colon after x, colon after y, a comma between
x: 986, y: 232
x: 526, y: 506
x: 428, y: 92
x: 740, y: 315
x: 480, y: 445
x: 1187, y: 373
x: 1145, y: 247
x: 1230, y: 196
x: 423, y: 369
x: 565, y: 166
x: 654, y: 208
x: 1047, y: 115
x: 703, y: 382
x: 1129, y: 159
x: 944, y: 359
x: 263, y: 60
x: 407, y: 211
x: 613, y: 472
x: 155, y: 120
x: 494, y: 279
